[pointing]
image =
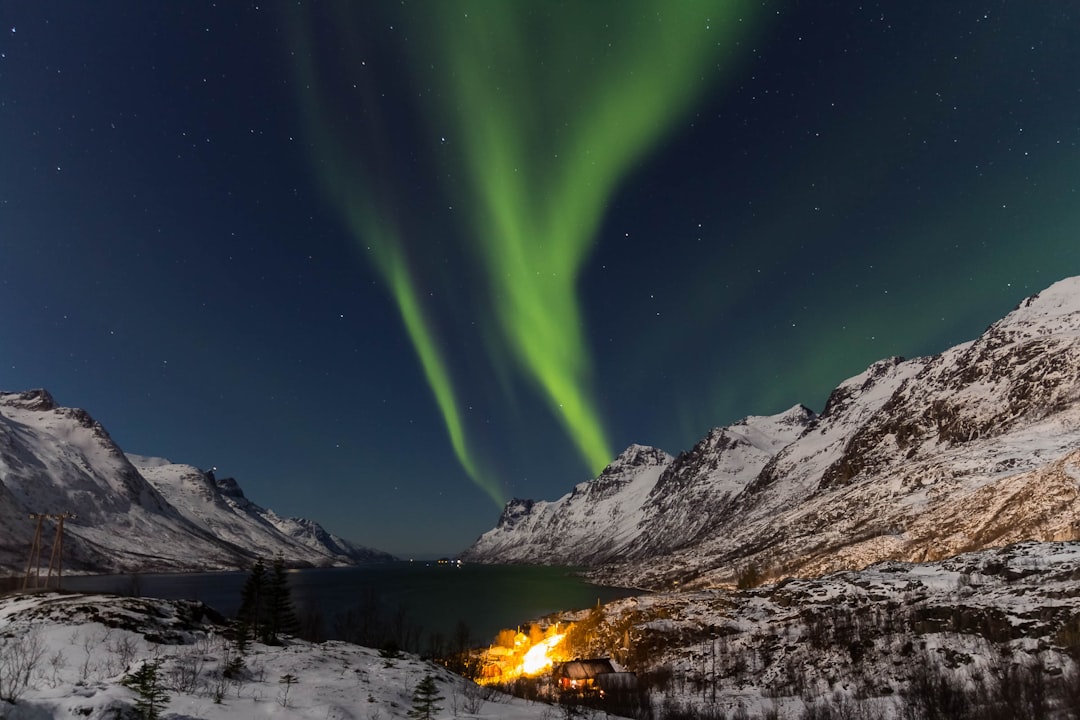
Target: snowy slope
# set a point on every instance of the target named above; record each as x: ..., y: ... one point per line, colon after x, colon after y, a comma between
x: 643, y: 497
x: 594, y: 522
x: 989, y: 634
x: 702, y: 484
x: 157, y: 516
x: 85, y: 644
x: 910, y: 460
x: 220, y: 507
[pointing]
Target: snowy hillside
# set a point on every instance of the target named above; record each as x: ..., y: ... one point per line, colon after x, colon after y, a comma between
x: 132, y: 513
x: 990, y: 634
x: 643, y: 497
x: 909, y: 460
x: 76, y: 650
x: 220, y: 507
x: 605, y: 513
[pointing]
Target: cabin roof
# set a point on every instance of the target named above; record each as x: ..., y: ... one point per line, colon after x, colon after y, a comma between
x: 585, y: 669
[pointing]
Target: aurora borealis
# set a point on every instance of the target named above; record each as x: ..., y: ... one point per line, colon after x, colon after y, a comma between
x: 542, y: 148
x: 390, y: 264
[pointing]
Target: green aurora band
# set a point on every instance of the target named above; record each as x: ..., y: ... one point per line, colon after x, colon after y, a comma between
x: 551, y: 111
x: 547, y: 109
x: 375, y: 228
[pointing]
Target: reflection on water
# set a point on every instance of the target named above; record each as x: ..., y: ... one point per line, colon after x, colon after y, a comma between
x: 433, y: 598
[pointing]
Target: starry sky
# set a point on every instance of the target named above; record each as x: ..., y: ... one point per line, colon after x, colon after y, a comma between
x: 390, y: 264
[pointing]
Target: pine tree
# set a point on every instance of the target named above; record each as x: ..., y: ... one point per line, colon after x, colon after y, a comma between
x: 243, y: 635
x: 280, y: 613
x: 425, y: 699
x: 147, y: 685
x: 252, y: 604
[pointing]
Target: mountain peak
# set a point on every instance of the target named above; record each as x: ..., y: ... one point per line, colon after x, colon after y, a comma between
x: 38, y: 399
x: 1054, y: 310
x: 771, y: 432
x: 637, y: 456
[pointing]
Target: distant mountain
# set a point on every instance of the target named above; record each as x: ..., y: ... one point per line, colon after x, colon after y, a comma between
x: 643, y: 503
x: 910, y: 460
x: 134, y: 513
x: 215, y: 504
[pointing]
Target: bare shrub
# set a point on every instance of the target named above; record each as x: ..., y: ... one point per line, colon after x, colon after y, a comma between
x: 230, y: 668
x: 184, y: 673
x: 19, y: 657
x: 474, y: 696
x: 125, y: 648
x: 57, y: 662
x: 90, y: 643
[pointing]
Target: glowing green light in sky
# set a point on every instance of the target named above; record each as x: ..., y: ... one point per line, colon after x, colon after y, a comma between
x: 546, y: 108
x: 422, y: 336
x: 385, y: 245
x: 553, y: 106
x: 358, y: 198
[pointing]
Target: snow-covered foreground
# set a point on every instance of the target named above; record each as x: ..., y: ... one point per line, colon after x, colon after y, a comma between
x: 988, y: 635
x: 993, y: 634
x: 64, y: 656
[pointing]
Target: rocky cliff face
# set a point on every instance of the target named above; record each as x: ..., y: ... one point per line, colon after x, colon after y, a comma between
x: 909, y: 460
x: 596, y: 521
x: 133, y: 513
x: 642, y: 501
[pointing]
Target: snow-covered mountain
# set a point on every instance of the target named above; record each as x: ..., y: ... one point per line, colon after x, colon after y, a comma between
x: 215, y: 504
x: 643, y: 501
x: 910, y: 460
x: 988, y: 634
x: 134, y: 513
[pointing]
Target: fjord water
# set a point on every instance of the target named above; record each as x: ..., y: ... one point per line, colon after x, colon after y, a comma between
x: 435, y: 597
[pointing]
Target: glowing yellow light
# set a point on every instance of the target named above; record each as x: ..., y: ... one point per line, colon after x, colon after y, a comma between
x: 537, y: 659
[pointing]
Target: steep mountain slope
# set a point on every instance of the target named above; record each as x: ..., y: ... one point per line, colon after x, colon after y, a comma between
x: 58, y: 460
x: 220, y: 507
x: 592, y: 523
x: 988, y: 634
x: 912, y: 460
x: 67, y: 656
x: 643, y: 497
x: 703, y: 483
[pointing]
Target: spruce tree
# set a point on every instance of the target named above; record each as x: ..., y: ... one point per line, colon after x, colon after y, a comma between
x: 252, y: 603
x: 425, y: 699
x: 152, y: 695
x: 243, y: 635
x: 280, y: 613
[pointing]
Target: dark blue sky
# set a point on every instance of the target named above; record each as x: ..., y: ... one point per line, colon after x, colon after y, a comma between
x: 390, y: 264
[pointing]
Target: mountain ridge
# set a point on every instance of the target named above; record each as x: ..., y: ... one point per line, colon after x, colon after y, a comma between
x: 903, y: 441
x: 135, y: 513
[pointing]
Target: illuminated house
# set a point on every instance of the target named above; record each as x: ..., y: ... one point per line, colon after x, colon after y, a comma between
x: 592, y: 676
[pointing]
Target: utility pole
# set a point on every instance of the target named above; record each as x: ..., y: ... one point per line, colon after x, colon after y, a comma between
x: 34, y: 561
x: 33, y: 564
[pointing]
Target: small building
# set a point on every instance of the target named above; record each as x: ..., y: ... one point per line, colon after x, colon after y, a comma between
x: 595, y: 675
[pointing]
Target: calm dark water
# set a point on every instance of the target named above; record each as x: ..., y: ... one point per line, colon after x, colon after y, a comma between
x: 436, y: 598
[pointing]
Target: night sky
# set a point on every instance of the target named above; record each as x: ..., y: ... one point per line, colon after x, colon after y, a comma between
x: 390, y: 264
